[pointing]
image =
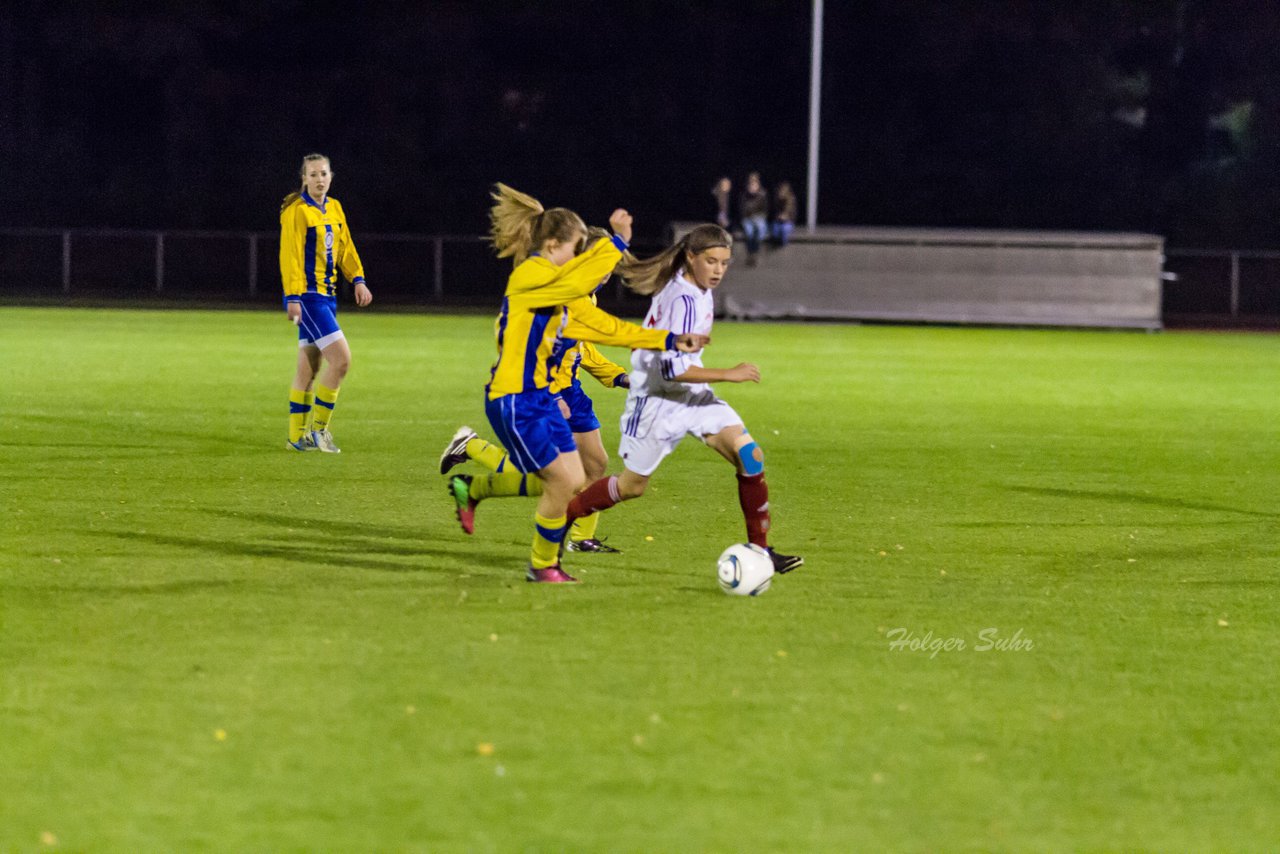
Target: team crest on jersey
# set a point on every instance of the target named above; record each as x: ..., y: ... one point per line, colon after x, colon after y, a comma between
x: 328, y: 240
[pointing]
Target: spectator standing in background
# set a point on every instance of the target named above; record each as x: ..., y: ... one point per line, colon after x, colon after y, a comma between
x: 784, y: 213
x: 721, y: 192
x: 753, y: 211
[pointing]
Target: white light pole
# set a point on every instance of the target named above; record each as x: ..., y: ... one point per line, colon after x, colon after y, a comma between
x: 815, y: 109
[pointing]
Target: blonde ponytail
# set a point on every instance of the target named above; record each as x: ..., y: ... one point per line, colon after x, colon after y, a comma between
x: 518, y: 224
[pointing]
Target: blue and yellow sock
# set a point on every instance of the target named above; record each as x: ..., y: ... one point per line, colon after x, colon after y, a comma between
x: 299, y: 413
x: 505, y: 484
x: 326, y: 400
x: 547, y: 536
x: 487, y: 454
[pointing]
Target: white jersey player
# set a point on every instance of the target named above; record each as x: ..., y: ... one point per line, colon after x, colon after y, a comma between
x: 671, y: 395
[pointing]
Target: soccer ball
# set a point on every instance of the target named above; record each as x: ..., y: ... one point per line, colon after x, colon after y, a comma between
x: 744, y: 570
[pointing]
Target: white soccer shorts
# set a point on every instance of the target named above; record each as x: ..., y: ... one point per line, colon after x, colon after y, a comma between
x: 652, y: 427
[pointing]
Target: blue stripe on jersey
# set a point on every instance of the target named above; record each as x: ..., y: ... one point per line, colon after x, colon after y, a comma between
x: 561, y: 347
x: 668, y: 370
x: 328, y: 255
x: 689, y: 313
x: 553, y: 535
x: 502, y: 333
x: 309, y: 259
x: 541, y: 317
x: 633, y: 423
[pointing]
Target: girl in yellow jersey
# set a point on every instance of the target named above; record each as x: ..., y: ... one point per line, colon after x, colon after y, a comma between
x: 552, y: 280
x: 315, y: 244
x: 504, y: 481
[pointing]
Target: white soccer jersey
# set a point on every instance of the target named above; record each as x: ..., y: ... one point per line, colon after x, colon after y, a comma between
x: 681, y: 307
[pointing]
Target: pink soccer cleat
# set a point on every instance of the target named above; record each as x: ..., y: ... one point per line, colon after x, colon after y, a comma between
x: 550, y: 575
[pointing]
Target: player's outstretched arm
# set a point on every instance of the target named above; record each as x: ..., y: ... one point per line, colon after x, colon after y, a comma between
x: 744, y: 372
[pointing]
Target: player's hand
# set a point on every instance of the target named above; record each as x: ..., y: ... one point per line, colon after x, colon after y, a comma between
x: 364, y: 296
x: 692, y: 342
x: 623, y: 381
x: 744, y: 372
x: 620, y: 221
x: 564, y: 408
x: 294, y: 311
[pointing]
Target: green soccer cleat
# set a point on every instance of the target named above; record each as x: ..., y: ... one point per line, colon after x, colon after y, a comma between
x: 460, y: 491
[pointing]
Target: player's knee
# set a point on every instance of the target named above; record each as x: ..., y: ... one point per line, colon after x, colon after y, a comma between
x: 751, y: 458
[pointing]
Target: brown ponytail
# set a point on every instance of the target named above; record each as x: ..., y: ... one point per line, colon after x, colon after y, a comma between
x: 651, y: 275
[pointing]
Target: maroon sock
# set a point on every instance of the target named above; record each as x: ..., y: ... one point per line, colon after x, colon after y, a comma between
x: 753, y: 495
x: 600, y: 495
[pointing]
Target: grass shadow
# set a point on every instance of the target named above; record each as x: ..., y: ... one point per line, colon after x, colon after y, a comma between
x: 328, y: 527
x: 334, y: 554
x: 1140, y: 499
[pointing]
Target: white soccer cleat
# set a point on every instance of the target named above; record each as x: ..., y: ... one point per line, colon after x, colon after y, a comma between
x: 455, y: 454
x: 323, y: 440
x: 306, y: 443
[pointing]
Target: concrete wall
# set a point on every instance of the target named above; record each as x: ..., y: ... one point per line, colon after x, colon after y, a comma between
x: 952, y: 276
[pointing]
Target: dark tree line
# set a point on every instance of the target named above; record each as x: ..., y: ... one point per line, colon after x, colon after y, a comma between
x: 1160, y: 115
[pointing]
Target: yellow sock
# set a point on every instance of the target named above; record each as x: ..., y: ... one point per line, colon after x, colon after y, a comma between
x: 487, y: 454
x: 547, y: 534
x: 505, y: 484
x: 326, y: 400
x: 299, y: 413
x: 584, y: 528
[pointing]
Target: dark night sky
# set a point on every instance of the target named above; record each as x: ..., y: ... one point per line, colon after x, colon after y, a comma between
x: 1158, y: 116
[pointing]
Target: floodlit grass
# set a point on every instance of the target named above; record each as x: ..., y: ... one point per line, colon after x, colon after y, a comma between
x: 208, y: 642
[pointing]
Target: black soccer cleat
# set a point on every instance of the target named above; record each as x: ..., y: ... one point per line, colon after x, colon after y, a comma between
x: 592, y: 545
x: 784, y: 563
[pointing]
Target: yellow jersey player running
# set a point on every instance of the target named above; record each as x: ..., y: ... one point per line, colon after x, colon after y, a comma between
x: 553, y: 273
x: 570, y: 357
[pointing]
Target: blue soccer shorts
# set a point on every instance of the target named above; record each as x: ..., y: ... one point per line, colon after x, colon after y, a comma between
x: 529, y: 425
x: 582, y: 414
x: 318, y: 326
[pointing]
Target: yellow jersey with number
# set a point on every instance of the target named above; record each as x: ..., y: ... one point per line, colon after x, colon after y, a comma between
x: 315, y: 245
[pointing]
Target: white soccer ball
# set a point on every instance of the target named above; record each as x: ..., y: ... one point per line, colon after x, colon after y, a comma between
x: 744, y: 570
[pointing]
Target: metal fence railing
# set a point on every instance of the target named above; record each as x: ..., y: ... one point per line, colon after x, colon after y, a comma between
x: 444, y: 269
x: 243, y: 266
x: 1233, y: 283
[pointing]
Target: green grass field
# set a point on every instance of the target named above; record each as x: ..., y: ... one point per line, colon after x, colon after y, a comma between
x: 207, y: 642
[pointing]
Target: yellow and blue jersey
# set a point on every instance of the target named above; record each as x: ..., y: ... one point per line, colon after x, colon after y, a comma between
x: 315, y: 244
x: 571, y: 354
x: 543, y: 302
x: 584, y: 354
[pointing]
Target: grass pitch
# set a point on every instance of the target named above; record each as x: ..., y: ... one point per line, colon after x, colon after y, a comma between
x: 1039, y: 608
